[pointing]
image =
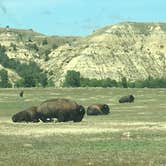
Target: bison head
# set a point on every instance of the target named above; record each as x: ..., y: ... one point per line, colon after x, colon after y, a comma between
x: 81, y: 110
x: 80, y: 114
x: 131, y: 98
x: 17, y: 118
x: 14, y: 118
x: 105, y: 109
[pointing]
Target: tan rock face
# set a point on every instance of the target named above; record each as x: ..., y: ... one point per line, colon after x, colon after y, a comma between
x: 13, y: 76
x: 131, y: 50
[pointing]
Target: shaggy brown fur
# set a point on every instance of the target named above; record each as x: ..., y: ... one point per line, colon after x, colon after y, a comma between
x: 28, y: 115
x: 62, y: 109
x: 98, y: 109
x: 125, y: 99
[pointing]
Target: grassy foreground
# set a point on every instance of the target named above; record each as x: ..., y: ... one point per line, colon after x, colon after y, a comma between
x: 133, y: 134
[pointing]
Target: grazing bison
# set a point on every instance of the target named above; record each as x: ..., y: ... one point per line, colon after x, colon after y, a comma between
x: 98, y: 109
x: 62, y: 109
x: 125, y: 99
x: 27, y: 115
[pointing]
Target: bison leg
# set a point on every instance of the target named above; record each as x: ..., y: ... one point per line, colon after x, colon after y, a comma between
x: 61, y: 117
x: 35, y: 120
x: 78, y: 119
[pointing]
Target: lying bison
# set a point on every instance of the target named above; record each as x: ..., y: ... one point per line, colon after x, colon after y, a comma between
x: 125, y: 99
x: 62, y: 109
x: 98, y: 109
x: 27, y: 115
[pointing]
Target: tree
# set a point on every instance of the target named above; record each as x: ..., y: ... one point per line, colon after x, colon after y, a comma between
x: 14, y: 47
x: 32, y: 46
x: 44, y: 42
x: 20, y: 83
x: 46, y: 53
x: 72, y: 79
x: 4, y: 80
x: 54, y: 46
x: 124, y: 82
x: 109, y: 83
x: 43, y: 79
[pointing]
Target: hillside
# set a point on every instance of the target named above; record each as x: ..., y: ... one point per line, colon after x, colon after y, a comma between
x: 128, y: 49
x: 131, y: 50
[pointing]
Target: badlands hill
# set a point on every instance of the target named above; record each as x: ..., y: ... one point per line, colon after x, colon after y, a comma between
x: 128, y: 49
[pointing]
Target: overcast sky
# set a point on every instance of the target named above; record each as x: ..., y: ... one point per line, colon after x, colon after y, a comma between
x: 77, y: 17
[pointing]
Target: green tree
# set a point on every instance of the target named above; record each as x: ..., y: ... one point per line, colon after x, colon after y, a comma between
x: 14, y: 47
x: 109, y: 83
x: 124, y: 82
x: 20, y: 83
x: 44, y: 42
x: 46, y: 53
x: 54, y: 46
x: 32, y: 46
x: 43, y: 79
x: 72, y: 79
x: 4, y: 80
x: 84, y: 82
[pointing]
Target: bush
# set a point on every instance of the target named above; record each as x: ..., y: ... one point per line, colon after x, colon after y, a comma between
x: 4, y: 80
x: 72, y: 79
x: 44, y: 42
x: 32, y: 46
x: 72, y: 76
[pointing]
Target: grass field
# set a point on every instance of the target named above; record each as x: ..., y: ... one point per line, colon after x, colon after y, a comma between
x: 132, y: 134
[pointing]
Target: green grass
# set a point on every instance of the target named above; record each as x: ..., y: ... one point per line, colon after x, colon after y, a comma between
x: 132, y: 134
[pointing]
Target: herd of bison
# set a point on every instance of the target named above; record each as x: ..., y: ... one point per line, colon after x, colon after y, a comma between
x: 63, y: 110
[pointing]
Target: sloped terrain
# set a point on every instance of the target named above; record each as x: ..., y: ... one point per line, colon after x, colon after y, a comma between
x: 128, y: 49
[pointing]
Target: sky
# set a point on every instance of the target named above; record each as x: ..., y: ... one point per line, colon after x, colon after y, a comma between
x: 77, y: 17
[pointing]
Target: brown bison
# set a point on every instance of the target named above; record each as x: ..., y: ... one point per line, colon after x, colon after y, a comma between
x: 28, y: 115
x: 127, y: 99
x: 62, y: 109
x: 98, y: 109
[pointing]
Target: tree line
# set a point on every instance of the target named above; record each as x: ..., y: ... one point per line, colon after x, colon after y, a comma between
x: 74, y: 79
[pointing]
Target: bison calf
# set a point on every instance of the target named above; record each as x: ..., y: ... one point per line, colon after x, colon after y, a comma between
x: 62, y: 109
x: 98, y: 109
x: 125, y: 99
x: 28, y: 115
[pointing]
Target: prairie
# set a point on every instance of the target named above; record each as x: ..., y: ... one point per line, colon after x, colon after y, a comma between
x: 132, y: 134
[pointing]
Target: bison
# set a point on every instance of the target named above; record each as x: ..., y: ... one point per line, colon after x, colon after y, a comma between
x: 98, y: 109
x: 62, y: 109
x: 125, y: 99
x: 28, y: 115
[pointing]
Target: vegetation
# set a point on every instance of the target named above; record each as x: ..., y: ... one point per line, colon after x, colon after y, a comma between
x: 13, y: 46
x: 133, y: 134
x: 4, y: 80
x: 32, y: 46
x: 44, y: 42
x: 46, y: 53
x: 31, y: 73
x: 73, y: 79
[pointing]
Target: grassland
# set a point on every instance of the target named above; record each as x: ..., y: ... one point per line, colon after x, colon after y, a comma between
x: 133, y: 134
